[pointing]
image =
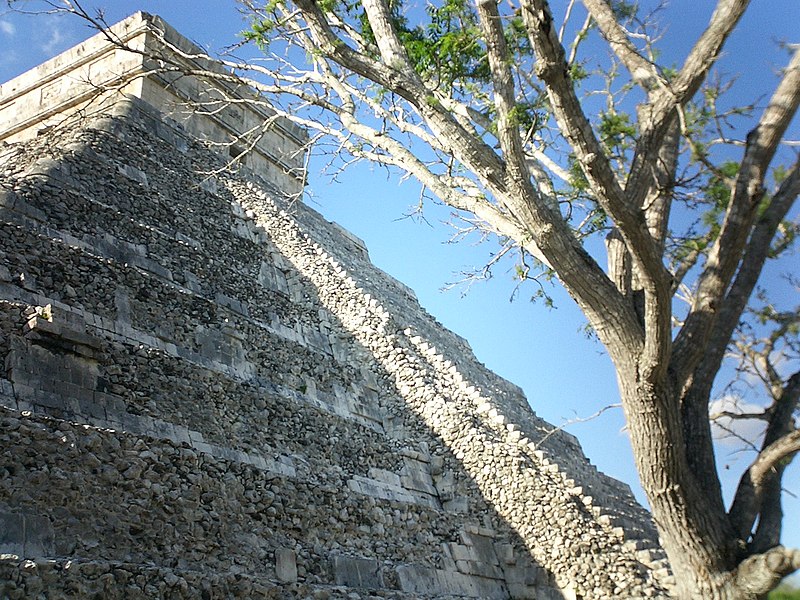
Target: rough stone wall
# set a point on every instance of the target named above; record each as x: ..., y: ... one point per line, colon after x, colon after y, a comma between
x: 83, y: 79
x: 209, y: 392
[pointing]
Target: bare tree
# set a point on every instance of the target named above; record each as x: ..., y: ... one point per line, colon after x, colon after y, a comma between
x: 485, y: 104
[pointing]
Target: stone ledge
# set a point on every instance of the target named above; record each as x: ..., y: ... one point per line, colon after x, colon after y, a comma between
x: 25, y: 534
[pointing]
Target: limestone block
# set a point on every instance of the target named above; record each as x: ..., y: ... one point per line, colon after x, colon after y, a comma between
x: 446, y: 485
x: 8, y: 198
x: 519, y: 591
x: 385, y: 476
x: 165, y: 430
x: 416, y: 475
x: 151, y: 266
x: 357, y: 572
x: 418, y: 580
x: 367, y: 411
x: 203, y: 447
x: 39, y: 537
x: 461, y: 552
x: 25, y: 535
x: 193, y: 243
x: 192, y: 282
x: 244, y: 229
x: 133, y: 173
x: 286, y: 565
x: 385, y: 491
x: 524, y: 575
x: 433, y: 582
x: 505, y: 553
x: 481, y: 569
x: 6, y: 388
x: 12, y: 533
x: 482, y: 547
x: 316, y: 339
x: 272, y: 278
x: 232, y: 303
x: 92, y: 407
x: 24, y: 208
x: 457, y: 505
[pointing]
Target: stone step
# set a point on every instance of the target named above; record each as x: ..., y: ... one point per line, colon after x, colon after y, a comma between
x: 213, y: 413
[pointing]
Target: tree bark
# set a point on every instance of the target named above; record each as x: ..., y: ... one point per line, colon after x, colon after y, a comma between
x: 695, y: 536
x: 707, y: 555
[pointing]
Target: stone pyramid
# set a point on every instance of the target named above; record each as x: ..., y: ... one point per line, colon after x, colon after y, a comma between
x: 210, y: 392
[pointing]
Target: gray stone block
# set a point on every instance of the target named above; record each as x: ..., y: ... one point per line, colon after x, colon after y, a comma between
x: 433, y: 582
x: 481, y: 569
x: 25, y: 535
x: 203, y: 447
x: 163, y: 429
x: 26, y: 209
x: 505, y: 553
x: 8, y: 198
x: 133, y: 174
x: 150, y: 266
x: 459, y: 505
x: 529, y: 575
x: 12, y: 533
x: 285, y: 565
x: 49, y: 400
x: 519, y: 591
x: 92, y: 408
x: 39, y: 536
x: 357, y: 572
x: 482, y: 546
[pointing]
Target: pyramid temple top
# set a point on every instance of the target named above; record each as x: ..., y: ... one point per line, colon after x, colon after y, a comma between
x: 144, y: 57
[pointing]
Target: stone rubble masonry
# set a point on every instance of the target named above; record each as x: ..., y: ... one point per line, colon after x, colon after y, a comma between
x: 208, y: 391
x: 85, y: 78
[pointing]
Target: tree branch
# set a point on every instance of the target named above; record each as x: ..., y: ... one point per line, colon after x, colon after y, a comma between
x: 759, y: 574
x: 781, y: 442
x: 776, y: 452
x: 695, y: 69
x: 517, y: 174
x: 656, y: 115
x: 746, y: 278
x: 392, y: 51
x: 749, y: 493
x: 552, y: 68
x: 476, y: 155
x: 642, y: 70
x: 726, y: 252
x: 781, y: 423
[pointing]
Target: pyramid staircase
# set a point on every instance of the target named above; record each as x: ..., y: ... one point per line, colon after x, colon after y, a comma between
x: 210, y: 392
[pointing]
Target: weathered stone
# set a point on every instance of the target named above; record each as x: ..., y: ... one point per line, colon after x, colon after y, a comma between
x: 357, y: 572
x: 12, y: 533
x: 286, y: 565
x: 210, y: 391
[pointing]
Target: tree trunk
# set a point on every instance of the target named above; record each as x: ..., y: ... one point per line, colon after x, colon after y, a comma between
x: 708, y: 558
x: 696, y: 535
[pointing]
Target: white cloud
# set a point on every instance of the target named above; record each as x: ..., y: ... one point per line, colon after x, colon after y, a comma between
x: 733, y: 432
x: 53, y: 43
x: 7, y: 28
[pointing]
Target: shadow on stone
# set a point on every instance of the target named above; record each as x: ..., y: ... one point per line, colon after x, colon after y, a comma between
x: 209, y: 391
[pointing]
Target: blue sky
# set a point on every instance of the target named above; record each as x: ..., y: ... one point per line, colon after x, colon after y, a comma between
x: 564, y: 374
